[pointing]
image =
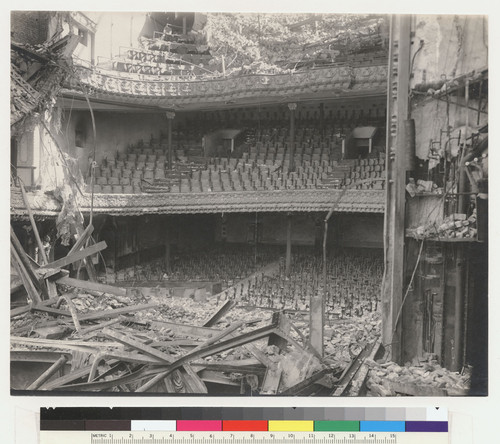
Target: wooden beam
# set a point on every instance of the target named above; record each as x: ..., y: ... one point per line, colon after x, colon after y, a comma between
x: 302, y: 385
x: 87, y: 285
x: 116, y: 312
x: 143, y: 348
x: 96, y: 315
x: 78, y: 255
x: 229, y: 367
x: 23, y: 274
x: 100, y: 326
x: 46, y: 303
x: 23, y: 258
x: 219, y: 336
x: 61, y: 344
x: 87, y: 262
x: 272, y: 379
x: 213, y: 349
x: 50, y: 310
x: 186, y: 330
x: 70, y: 377
x: 105, y: 384
x: 193, y: 382
x: 358, y: 381
x: 33, y: 225
x: 82, y: 238
x: 217, y: 378
x: 35, y: 356
x: 220, y: 313
x: 48, y: 373
x: 351, y: 371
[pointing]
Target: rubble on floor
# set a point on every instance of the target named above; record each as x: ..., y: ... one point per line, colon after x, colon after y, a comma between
x: 124, y: 352
x: 91, y: 336
x: 414, y: 379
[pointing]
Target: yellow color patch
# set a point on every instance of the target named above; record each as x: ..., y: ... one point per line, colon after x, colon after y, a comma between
x: 291, y: 426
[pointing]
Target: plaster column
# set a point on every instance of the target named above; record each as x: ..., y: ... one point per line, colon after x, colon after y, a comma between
x: 292, y: 107
x: 170, y: 116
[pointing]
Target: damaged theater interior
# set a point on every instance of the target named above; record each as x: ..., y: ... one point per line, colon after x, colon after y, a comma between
x: 249, y: 204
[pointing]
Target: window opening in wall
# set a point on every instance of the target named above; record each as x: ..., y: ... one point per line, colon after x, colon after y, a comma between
x: 84, y: 36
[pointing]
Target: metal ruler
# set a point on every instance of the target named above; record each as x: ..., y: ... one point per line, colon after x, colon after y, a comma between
x: 150, y: 437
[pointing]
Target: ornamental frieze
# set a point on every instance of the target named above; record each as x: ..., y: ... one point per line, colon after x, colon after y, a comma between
x: 338, y: 77
x: 365, y: 201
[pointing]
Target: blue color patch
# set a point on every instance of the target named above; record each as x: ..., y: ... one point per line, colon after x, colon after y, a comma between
x: 382, y: 426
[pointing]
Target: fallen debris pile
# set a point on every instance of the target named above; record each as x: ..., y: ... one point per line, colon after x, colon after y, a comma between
x: 455, y: 226
x: 92, y: 336
x: 115, y: 349
x: 82, y: 335
x: 419, y: 379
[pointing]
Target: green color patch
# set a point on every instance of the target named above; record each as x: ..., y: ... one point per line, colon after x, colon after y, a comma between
x: 336, y: 426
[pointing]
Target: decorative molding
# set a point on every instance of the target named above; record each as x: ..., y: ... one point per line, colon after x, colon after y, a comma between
x: 368, y: 79
x: 82, y: 20
x: 308, y: 200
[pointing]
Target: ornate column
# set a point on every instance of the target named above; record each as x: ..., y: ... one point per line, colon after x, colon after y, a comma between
x: 394, y: 224
x: 292, y: 107
x: 170, y: 116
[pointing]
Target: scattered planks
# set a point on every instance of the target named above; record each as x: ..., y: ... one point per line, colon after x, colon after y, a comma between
x: 77, y: 256
x: 358, y: 381
x: 133, y: 363
x: 351, y: 370
x: 128, y: 354
x: 220, y: 314
x: 94, y: 286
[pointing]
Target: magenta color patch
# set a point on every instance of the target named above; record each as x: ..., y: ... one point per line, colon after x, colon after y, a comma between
x: 199, y: 426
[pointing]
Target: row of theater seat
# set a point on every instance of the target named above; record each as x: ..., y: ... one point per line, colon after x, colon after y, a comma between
x: 353, y: 275
x: 225, y: 264
x: 353, y: 280
x: 264, y: 166
x: 239, y: 175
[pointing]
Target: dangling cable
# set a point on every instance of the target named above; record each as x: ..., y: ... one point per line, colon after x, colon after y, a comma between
x: 92, y: 170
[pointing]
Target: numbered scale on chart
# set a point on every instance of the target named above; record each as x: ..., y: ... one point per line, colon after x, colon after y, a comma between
x: 148, y: 437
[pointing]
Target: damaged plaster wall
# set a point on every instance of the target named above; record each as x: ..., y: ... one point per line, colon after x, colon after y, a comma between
x: 451, y: 46
x: 40, y: 161
x: 431, y: 117
x: 115, y: 133
x: 51, y: 171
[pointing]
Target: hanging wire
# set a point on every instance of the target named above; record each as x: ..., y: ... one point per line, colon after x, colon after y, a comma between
x: 407, y: 290
x: 92, y: 170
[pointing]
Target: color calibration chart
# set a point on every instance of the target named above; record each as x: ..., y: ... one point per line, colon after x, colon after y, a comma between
x: 244, y: 426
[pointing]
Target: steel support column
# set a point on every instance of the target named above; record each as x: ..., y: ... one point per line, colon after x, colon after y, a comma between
x: 394, y: 222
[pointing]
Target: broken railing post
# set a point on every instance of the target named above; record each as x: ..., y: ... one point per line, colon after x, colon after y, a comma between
x: 33, y: 224
x: 288, y: 259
